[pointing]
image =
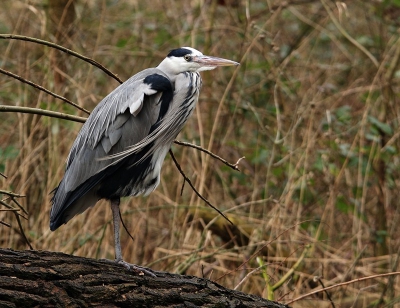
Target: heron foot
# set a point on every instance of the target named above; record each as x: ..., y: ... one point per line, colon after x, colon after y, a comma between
x: 140, y: 270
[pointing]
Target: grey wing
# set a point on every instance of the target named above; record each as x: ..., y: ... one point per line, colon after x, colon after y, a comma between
x: 186, y: 94
x: 122, y: 119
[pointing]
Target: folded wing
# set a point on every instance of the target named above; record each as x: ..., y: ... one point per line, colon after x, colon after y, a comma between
x: 121, y: 120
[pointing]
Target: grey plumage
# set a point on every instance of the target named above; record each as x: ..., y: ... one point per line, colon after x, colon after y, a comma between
x: 121, y: 147
x: 129, y: 111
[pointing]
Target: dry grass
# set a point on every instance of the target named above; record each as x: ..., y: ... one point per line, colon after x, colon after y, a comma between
x: 314, y: 108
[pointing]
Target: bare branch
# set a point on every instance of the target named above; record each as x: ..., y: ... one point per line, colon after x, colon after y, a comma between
x: 22, y: 231
x: 316, y: 278
x: 194, y: 189
x: 5, y: 224
x: 197, y: 147
x: 20, y: 206
x: 257, y: 252
x: 342, y: 284
x: 11, y: 194
x: 63, y: 49
x: 15, y: 211
x: 10, y: 208
x: 42, y: 89
x: 52, y: 114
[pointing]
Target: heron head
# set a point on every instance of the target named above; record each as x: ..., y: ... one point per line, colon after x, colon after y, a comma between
x: 187, y: 59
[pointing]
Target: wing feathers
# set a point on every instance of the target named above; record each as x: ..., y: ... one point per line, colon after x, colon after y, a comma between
x: 122, y: 119
x: 167, y: 128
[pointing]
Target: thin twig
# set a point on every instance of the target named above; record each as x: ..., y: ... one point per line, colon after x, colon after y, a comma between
x: 347, y: 35
x: 64, y: 116
x: 15, y: 211
x: 19, y: 205
x: 11, y: 194
x: 12, y: 208
x: 257, y: 252
x: 342, y: 284
x: 292, y: 269
x: 170, y: 256
x: 183, y: 186
x: 43, y: 89
x: 248, y: 275
x: 63, y: 49
x: 194, y: 189
x: 197, y: 147
x: 3, y: 175
x: 326, y: 292
x: 5, y: 224
x: 123, y: 224
x: 48, y: 113
x: 22, y: 230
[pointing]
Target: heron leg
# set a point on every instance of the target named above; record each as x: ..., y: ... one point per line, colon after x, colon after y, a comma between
x: 116, y: 219
x: 117, y: 243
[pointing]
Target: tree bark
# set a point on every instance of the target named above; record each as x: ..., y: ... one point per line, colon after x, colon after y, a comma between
x: 51, y: 279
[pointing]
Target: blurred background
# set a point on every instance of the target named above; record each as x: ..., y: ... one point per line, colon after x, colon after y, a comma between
x: 314, y: 109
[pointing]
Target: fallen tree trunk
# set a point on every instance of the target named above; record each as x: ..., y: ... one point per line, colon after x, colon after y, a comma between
x: 51, y: 279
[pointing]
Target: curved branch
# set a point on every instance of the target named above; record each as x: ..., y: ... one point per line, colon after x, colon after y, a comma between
x: 197, y: 147
x: 343, y: 284
x: 15, y: 211
x: 195, y: 190
x: 11, y: 194
x: 42, y: 89
x: 48, y: 113
x: 63, y: 49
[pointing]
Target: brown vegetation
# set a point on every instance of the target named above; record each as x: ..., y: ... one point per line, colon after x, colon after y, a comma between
x: 314, y: 108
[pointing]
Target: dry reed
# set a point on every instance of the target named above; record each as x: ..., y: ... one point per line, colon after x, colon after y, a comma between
x: 314, y: 108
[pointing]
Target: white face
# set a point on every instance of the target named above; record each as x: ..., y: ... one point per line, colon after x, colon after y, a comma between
x: 187, y: 59
x: 193, y: 61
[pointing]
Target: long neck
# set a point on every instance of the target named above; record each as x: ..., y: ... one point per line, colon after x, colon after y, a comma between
x: 167, y: 67
x: 186, y: 95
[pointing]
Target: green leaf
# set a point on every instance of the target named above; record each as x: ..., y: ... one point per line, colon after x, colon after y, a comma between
x: 380, y: 125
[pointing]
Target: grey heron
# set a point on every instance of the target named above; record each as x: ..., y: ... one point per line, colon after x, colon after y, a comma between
x: 121, y: 147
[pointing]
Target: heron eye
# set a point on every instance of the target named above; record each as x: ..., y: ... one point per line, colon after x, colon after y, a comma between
x: 187, y: 58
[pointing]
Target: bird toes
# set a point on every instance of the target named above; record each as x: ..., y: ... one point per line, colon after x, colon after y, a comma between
x: 138, y: 269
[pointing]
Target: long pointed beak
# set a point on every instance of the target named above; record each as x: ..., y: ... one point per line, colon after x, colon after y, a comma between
x: 213, y: 61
